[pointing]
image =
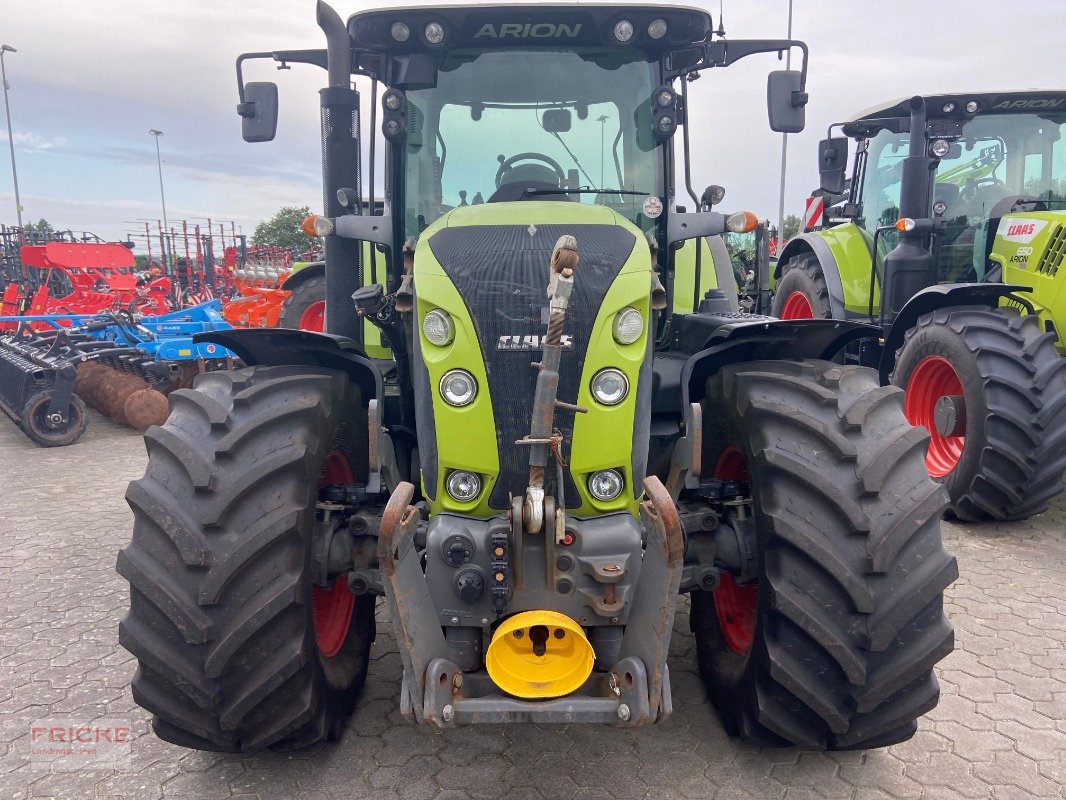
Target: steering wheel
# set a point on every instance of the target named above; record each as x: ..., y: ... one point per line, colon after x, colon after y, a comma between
x: 508, y: 164
x: 972, y: 191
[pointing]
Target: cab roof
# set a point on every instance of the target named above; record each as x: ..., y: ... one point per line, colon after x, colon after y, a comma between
x: 953, y: 106
x: 513, y: 25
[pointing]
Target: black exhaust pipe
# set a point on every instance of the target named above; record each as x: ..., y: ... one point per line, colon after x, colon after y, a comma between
x: 910, y: 267
x: 341, y: 169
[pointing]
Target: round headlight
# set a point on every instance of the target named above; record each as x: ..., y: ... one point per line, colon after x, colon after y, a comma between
x: 971, y: 107
x: 400, y: 32
x: 434, y: 33
x: 664, y: 98
x: 610, y: 386
x: 458, y: 388
x: 949, y: 107
x: 940, y: 148
x: 939, y: 207
x: 666, y: 124
x: 657, y: 28
x: 392, y: 100
x: 463, y: 486
x: 628, y: 326
x: 623, y: 30
x: 606, y: 484
x: 438, y: 328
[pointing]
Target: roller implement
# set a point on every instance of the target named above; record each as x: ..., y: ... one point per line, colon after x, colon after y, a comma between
x: 951, y: 238
x: 572, y: 426
x: 118, y: 362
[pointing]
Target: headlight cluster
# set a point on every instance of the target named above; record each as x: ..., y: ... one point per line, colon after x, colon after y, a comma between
x: 606, y: 484
x: 628, y: 325
x: 458, y: 387
x: 463, y: 486
x: 438, y: 327
x: 610, y: 386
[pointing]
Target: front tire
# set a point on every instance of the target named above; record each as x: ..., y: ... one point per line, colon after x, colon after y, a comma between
x: 1007, y: 464
x: 236, y: 649
x: 802, y: 292
x: 833, y: 645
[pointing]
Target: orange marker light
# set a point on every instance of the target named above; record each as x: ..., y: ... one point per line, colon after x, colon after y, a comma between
x: 904, y: 224
x: 308, y: 225
x: 742, y: 222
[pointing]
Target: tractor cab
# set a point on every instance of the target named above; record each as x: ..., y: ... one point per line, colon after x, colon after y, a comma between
x: 992, y: 155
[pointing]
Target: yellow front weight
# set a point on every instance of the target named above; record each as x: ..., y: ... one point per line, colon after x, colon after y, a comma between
x: 539, y: 654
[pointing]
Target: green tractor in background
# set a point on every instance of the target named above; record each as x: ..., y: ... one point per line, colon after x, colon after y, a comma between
x: 573, y: 425
x: 952, y: 237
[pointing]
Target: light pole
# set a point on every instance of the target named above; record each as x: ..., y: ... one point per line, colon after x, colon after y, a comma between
x: 784, y: 151
x: 6, y: 48
x: 168, y: 260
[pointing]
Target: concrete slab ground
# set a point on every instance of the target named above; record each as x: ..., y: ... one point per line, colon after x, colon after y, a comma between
x: 999, y: 731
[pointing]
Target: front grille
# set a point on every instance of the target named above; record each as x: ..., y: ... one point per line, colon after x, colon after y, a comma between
x: 501, y: 272
x: 1054, y: 254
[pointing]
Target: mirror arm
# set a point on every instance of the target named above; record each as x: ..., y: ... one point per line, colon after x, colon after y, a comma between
x: 241, y: 109
x: 723, y: 53
x: 364, y: 228
x: 680, y: 227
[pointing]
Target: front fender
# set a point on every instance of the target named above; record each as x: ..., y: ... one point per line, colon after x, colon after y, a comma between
x: 766, y: 340
x: 930, y: 299
x: 281, y: 346
x: 313, y: 270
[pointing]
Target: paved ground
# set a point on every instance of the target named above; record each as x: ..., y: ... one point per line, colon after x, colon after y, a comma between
x: 999, y: 732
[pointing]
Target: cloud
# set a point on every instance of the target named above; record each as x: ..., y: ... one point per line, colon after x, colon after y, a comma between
x: 34, y: 142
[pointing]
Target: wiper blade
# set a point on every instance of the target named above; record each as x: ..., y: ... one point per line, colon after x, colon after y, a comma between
x: 531, y: 192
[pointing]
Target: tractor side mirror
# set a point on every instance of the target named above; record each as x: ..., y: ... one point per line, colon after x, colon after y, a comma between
x: 832, y: 163
x: 557, y: 120
x: 786, y: 102
x: 259, y: 112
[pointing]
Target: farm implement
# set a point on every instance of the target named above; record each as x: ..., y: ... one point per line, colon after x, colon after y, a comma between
x: 121, y: 363
x: 71, y: 278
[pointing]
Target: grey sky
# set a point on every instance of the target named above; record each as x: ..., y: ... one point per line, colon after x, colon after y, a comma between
x: 92, y: 76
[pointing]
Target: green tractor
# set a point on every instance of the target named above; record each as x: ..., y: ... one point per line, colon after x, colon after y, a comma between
x: 951, y: 237
x: 575, y: 425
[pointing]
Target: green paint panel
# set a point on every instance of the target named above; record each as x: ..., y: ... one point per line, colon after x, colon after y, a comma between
x: 685, y: 274
x: 1031, y: 249
x: 466, y: 437
x: 852, y: 248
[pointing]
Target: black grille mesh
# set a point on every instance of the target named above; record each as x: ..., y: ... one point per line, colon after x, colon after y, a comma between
x: 501, y: 271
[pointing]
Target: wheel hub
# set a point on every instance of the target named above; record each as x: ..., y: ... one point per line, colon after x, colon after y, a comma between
x: 331, y: 609
x: 736, y: 606
x: 949, y: 415
x: 933, y: 380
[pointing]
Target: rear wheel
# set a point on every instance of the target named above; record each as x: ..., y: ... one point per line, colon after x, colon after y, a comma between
x: 833, y: 644
x: 237, y: 649
x: 802, y: 292
x: 305, y: 307
x: 991, y: 389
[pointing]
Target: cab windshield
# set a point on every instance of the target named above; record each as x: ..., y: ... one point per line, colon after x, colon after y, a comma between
x: 999, y: 156
x: 503, y: 125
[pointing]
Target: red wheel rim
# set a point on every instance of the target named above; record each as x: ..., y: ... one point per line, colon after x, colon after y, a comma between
x: 933, y: 378
x: 314, y: 317
x: 331, y: 609
x: 797, y: 306
x: 736, y: 606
